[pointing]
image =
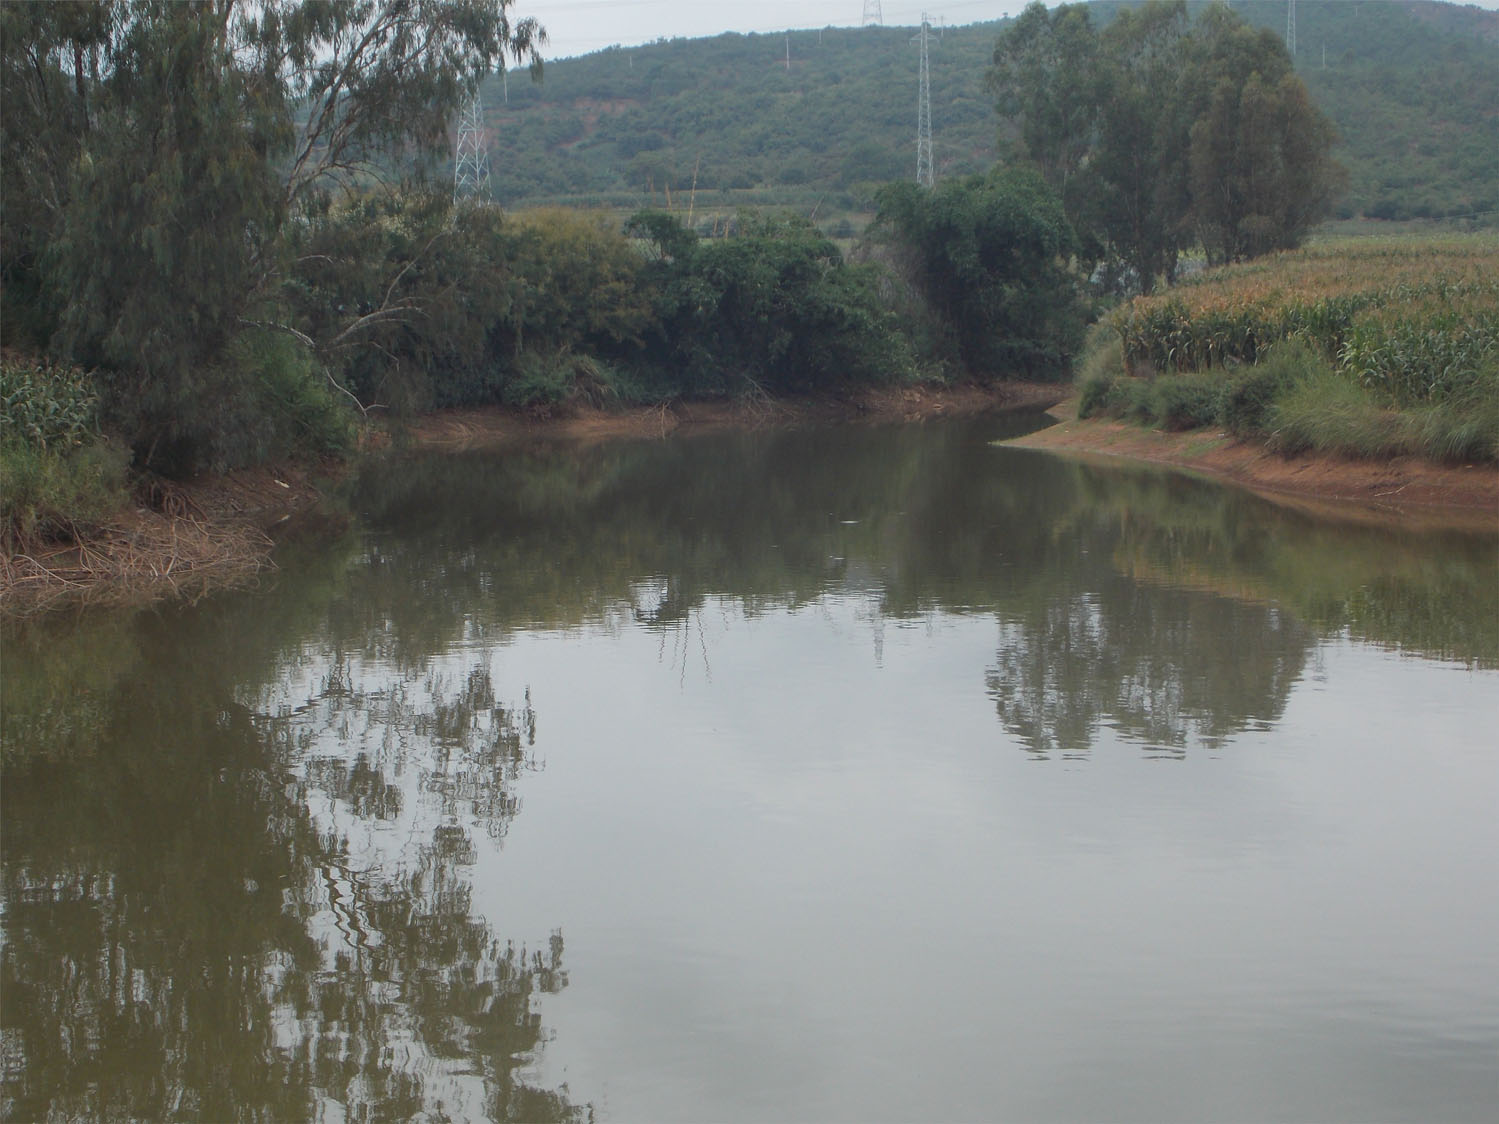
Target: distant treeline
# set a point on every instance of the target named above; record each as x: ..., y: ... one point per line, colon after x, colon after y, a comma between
x: 1410, y: 89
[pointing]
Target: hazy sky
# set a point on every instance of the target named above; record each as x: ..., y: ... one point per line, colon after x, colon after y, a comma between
x: 579, y: 26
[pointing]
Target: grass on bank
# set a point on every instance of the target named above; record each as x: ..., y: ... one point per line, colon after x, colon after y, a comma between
x: 1367, y: 349
x: 57, y: 474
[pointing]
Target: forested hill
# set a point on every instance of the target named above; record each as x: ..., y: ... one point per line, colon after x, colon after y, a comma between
x: 1413, y: 86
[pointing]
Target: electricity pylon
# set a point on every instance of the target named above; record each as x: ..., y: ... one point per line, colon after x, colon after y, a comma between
x: 1291, y: 28
x: 470, y: 159
x: 872, y: 14
x: 925, y: 174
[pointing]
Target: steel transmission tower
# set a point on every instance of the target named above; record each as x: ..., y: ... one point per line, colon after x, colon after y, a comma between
x: 1291, y: 28
x: 872, y: 14
x: 925, y: 174
x: 470, y: 159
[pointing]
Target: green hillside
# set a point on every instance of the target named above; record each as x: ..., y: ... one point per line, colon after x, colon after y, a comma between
x: 1412, y: 85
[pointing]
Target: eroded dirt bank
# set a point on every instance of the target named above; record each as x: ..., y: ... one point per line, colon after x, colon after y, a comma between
x: 462, y: 428
x: 1417, y: 491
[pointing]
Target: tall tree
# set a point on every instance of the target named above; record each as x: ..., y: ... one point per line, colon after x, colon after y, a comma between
x: 1045, y: 78
x: 1138, y: 179
x: 148, y: 200
x: 1157, y: 129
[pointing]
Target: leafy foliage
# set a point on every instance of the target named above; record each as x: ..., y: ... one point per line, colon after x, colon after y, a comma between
x: 1155, y: 127
x: 773, y: 308
x: 990, y: 256
x: 158, y: 155
x: 45, y: 406
x: 56, y: 473
x: 1261, y: 176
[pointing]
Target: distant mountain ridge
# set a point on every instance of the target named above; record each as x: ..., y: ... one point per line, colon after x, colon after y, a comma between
x: 1413, y: 86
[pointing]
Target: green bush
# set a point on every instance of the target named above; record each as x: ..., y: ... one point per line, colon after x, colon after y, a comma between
x: 988, y: 255
x: 299, y: 410
x: 1185, y: 401
x: 1093, y: 396
x: 1130, y: 398
x: 1248, y: 396
x: 772, y: 309
x: 50, y: 492
x: 555, y: 378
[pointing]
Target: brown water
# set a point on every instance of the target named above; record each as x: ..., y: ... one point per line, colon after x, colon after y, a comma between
x: 846, y: 774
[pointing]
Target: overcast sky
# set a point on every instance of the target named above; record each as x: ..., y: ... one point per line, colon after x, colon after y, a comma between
x: 579, y: 26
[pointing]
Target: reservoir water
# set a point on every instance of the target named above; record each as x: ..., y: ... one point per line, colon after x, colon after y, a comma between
x: 856, y: 773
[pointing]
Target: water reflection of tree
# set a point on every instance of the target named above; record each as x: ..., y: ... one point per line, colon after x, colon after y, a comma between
x: 185, y: 938
x: 1167, y: 668
x: 932, y: 517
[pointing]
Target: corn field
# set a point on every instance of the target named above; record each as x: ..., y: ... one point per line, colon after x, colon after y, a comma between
x: 1413, y: 319
x: 46, y: 407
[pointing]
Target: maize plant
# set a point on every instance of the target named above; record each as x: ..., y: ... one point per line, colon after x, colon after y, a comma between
x: 46, y: 407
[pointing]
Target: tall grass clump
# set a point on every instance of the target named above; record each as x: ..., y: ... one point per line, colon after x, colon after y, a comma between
x: 1463, y: 428
x: 1325, y: 412
x: 1101, y: 364
x: 1247, y: 399
x: 57, y: 474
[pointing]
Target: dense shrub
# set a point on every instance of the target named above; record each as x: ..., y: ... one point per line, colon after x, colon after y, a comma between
x: 990, y: 255
x: 1248, y: 396
x: 772, y: 309
x: 546, y: 379
x: 1185, y: 401
x: 1093, y: 395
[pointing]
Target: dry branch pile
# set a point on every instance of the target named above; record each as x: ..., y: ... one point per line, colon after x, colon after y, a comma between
x: 178, y: 550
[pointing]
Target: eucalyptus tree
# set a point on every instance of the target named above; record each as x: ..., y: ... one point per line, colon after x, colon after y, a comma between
x: 157, y: 154
x: 1137, y: 175
x: 1159, y: 131
x: 1260, y: 171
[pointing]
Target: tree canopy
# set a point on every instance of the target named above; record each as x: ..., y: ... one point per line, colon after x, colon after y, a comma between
x: 1158, y: 128
x: 158, y: 155
x: 991, y: 257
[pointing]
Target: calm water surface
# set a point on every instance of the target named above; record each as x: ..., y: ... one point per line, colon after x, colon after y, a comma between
x: 846, y: 774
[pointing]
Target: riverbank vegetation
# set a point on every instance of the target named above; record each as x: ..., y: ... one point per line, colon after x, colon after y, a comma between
x: 228, y: 239
x: 1365, y: 348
